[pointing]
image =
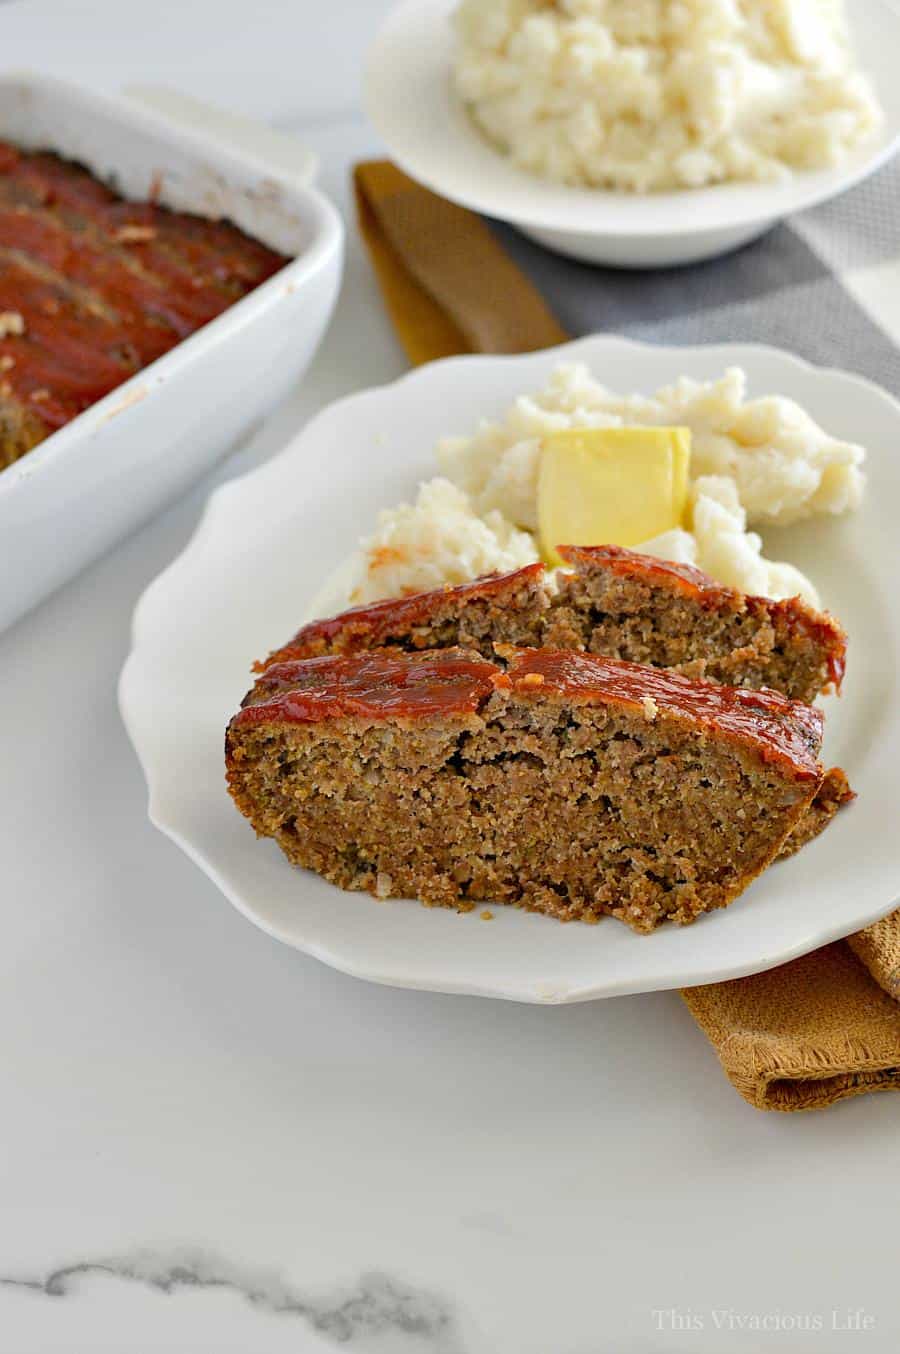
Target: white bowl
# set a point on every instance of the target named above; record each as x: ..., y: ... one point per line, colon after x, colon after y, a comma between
x: 410, y: 99
x: 93, y: 481
x: 269, y: 541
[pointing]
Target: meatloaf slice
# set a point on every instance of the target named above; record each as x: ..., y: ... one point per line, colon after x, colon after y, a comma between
x: 506, y: 608
x: 646, y: 610
x: 609, y: 601
x: 568, y: 783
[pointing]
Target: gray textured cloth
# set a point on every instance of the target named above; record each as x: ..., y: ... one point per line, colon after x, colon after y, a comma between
x: 790, y: 288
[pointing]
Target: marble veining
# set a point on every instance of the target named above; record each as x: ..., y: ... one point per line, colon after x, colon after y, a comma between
x: 377, y: 1304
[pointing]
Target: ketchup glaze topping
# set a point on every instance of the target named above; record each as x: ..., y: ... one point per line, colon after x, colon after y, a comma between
x: 380, y: 685
x: 103, y: 286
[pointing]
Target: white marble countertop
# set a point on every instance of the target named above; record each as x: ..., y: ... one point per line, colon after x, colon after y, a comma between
x: 211, y: 1143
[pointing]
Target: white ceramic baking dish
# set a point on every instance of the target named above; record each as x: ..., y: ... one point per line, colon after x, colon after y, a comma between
x: 95, y: 480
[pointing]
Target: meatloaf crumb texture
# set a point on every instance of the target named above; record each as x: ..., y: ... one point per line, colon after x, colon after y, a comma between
x: 833, y: 794
x: 566, y: 783
x: 608, y: 601
x: 93, y: 288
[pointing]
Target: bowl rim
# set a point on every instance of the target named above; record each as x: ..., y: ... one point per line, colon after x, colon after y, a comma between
x: 408, y: 97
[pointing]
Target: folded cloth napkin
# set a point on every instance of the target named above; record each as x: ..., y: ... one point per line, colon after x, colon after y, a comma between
x: 826, y: 1026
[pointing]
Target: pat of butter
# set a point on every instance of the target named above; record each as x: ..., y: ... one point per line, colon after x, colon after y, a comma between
x: 611, y: 486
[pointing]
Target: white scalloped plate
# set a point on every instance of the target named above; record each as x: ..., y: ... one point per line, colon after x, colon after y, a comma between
x: 268, y: 542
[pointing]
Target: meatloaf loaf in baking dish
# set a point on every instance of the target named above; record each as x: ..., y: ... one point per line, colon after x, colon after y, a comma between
x: 566, y: 783
x: 609, y: 601
x: 93, y: 288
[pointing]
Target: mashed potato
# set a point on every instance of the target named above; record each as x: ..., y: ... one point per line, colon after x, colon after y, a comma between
x: 753, y: 461
x: 436, y: 540
x: 645, y: 95
x: 784, y: 465
x: 441, y: 540
x: 721, y: 546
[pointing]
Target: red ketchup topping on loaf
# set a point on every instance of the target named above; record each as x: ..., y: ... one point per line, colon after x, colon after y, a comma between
x: 380, y: 686
x: 782, y: 730
x: 104, y: 286
x: 684, y: 577
x: 377, y: 685
x: 367, y: 626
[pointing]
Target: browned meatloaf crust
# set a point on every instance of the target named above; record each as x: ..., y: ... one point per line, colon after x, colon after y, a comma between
x: 568, y: 783
x: 609, y: 601
x: 93, y: 288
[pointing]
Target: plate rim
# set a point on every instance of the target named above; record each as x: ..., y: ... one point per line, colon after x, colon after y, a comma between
x: 501, y: 988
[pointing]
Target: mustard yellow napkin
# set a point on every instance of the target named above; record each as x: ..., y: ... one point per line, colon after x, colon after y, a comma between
x: 801, y: 1036
x: 422, y: 248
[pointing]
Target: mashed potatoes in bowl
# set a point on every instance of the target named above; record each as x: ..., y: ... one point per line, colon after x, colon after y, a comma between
x: 754, y: 462
x: 654, y: 95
